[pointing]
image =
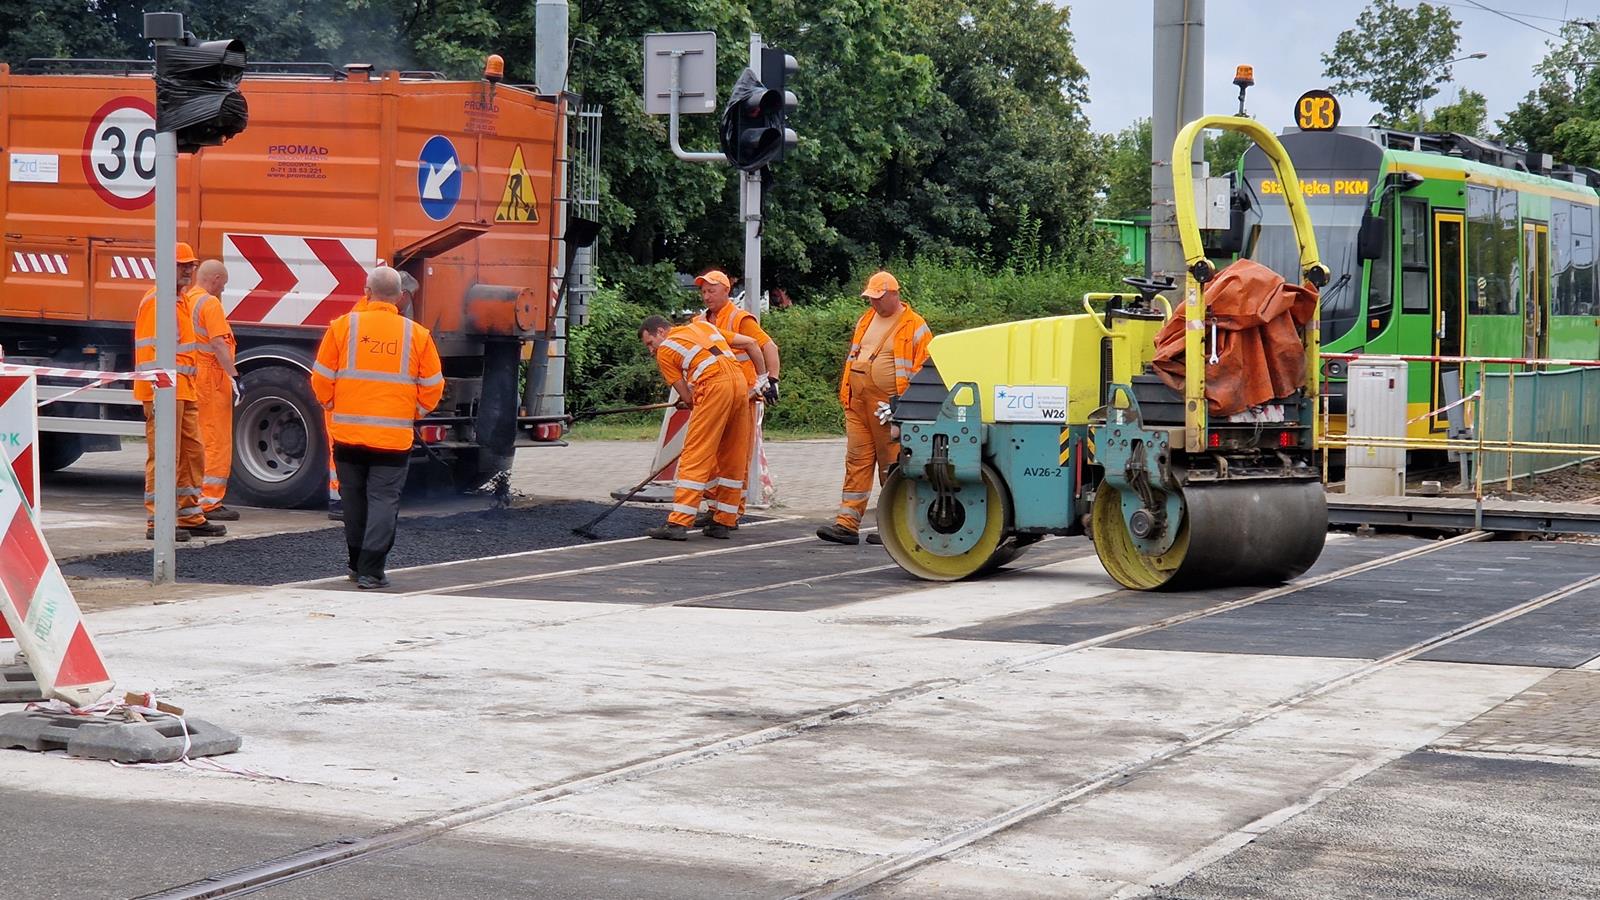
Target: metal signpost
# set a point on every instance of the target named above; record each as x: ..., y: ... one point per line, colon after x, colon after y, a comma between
x: 166, y: 30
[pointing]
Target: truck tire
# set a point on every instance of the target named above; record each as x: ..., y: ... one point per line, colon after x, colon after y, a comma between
x: 57, y: 451
x: 280, y: 446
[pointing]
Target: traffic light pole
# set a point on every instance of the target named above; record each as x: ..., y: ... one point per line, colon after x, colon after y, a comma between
x: 750, y: 213
x: 164, y: 562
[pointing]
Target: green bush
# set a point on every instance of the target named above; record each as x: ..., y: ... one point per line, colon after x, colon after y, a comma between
x: 607, y: 366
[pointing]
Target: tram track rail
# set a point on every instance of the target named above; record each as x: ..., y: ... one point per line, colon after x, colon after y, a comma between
x: 343, y: 851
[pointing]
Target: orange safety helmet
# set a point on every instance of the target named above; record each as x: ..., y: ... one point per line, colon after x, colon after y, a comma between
x: 185, y: 253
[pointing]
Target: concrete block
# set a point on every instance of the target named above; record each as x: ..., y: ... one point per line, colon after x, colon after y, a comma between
x: 17, y: 684
x: 159, y: 739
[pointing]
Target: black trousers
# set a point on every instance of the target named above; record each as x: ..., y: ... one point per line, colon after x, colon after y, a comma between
x: 369, y: 484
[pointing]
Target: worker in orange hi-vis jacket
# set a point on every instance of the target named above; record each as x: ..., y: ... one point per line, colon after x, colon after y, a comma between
x: 721, y: 311
x: 696, y: 360
x: 377, y: 372
x: 408, y: 293
x: 191, y: 454
x: 889, y: 346
x: 216, y: 386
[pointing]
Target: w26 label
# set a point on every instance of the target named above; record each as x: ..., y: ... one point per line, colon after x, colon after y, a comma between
x: 1030, y: 403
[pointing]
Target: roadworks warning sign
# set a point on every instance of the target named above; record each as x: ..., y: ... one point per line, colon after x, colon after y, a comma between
x: 518, y: 203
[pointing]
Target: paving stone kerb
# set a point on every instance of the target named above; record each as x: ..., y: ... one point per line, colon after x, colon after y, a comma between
x: 1558, y: 717
x: 808, y: 474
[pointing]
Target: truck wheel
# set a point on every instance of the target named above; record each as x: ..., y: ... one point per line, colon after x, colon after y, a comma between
x: 280, y: 448
x: 57, y: 451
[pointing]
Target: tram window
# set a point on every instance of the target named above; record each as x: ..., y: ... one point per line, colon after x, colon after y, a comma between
x: 1493, y: 247
x: 1416, y: 295
x: 1581, y: 299
x: 1561, y: 246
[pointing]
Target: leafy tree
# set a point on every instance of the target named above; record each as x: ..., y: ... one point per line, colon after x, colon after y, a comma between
x: 1562, y: 115
x: 1396, y: 56
x: 1126, y: 159
x: 1223, y: 149
x: 1468, y: 115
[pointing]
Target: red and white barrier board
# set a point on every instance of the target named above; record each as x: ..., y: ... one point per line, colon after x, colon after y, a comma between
x: 38, y: 607
x: 759, y: 487
x: 19, y: 432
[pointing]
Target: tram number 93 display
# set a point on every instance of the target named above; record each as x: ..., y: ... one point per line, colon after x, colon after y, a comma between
x: 1316, y: 111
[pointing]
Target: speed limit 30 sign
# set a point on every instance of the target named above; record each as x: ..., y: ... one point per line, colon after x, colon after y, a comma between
x: 119, y: 152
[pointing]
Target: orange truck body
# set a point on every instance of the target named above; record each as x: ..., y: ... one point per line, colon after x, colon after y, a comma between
x: 458, y: 183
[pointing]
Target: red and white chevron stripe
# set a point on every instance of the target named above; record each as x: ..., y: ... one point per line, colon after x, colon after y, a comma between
x: 281, y: 279
x: 42, y: 263
x: 133, y: 268
x: 39, y: 608
x: 19, y: 433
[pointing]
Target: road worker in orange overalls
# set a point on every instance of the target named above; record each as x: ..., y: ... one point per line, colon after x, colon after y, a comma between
x: 377, y: 372
x: 889, y: 346
x: 722, y: 312
x: 697, y: 361
x: 408, y: 293
x: 216, y: 386
x: 191, y: 453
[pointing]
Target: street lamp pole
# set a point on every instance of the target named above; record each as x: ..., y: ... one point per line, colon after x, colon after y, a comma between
x: 1417, y: 111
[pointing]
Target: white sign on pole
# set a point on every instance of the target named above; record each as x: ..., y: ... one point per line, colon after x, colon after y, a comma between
x: 697, y: 77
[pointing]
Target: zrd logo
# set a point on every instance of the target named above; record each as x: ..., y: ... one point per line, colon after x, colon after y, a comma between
x: 119, y: 153
x: 1029, y: 472
x: 387, y: 348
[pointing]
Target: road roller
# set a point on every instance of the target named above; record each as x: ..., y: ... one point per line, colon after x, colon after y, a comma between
x: 1060, y: 426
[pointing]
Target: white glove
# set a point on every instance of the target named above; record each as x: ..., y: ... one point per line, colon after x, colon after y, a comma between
x: 761, y: 386
x: 236, y: 393
x: 883, y: 412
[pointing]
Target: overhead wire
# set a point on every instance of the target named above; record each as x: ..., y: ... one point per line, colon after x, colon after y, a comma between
x: 1510, y: 18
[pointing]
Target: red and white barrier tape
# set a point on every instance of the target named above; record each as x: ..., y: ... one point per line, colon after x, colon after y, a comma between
x: 162, y: 378
x: 1446, y: 408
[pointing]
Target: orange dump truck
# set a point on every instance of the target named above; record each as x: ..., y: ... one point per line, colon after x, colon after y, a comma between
x: 461, y: 184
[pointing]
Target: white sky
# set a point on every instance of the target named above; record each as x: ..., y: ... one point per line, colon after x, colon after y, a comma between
x: 1284, y: 40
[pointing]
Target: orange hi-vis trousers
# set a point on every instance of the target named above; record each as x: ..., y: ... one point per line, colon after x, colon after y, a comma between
x: 215, y: 391
x: 868, y: 449
x: 191, y: 464
x: 717, y: 440
x: 333, y: 473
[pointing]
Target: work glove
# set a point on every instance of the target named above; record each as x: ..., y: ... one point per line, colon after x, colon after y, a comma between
x: 771, y: 395
x: 759, y: 389
x: 236, y: 392
x: 883, y: 412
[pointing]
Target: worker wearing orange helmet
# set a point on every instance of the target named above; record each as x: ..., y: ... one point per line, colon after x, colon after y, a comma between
x: 216, y: 386
x: 697, y: 361
x: 191, y: 452
x: 377, y: 372
x: 889, y: 346
x: 721, y: 311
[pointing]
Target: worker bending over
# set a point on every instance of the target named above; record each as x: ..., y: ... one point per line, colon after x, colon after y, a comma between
x: 697, y: 361
x: 216, y: 386
x: 191, y: 453
x: 722, y: 312
x: 889, y: 346
x: 377, y: 372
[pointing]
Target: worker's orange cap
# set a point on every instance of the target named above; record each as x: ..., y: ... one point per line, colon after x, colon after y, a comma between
x: 186, y: 253
x: 879, y: 284
x: 715, y: 276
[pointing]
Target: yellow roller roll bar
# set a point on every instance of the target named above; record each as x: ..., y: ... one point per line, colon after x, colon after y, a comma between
x: 1201, y: 270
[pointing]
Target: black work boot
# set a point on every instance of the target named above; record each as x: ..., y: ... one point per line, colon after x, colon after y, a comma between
x: 718, y: 530
x: 178, y: 534
x: 669, y: 532
x: 221, y: 514
x: 706, y: 517
x: 875, y: 538
x: 206, y: 529
x: 838, y: 534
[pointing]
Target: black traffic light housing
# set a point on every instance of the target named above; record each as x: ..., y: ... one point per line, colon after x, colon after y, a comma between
x: 755, y: 130
x: 197, y: 91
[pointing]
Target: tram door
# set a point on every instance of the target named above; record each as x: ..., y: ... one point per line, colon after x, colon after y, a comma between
x: 1536, y: 290
x: 1450, y: 297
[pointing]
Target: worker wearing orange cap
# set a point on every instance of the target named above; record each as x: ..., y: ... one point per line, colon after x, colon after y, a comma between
x: 722, y: 312
x: 696, y: 360
x: 216, y: 386
x: 889, y: 346
x: 191, y: 452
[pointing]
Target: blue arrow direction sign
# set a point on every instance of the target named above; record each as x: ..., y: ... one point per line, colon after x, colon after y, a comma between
x: 438, y: 177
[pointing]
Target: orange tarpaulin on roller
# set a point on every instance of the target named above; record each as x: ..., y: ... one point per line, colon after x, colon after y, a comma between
x: 1261, y: 356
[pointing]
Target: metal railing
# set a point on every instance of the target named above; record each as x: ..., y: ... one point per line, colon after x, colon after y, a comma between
x: 1546, y: 419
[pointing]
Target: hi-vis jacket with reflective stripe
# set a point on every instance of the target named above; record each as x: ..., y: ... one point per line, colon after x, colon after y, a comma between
x: 144, y: 345
x: 378, y: 372
x: 733, y: 320
x: 699, y: 354
x: 209, y: 322
x: 909, y: 343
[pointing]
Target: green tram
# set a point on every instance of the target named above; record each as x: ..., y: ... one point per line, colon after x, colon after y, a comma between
x: 1439, y: 245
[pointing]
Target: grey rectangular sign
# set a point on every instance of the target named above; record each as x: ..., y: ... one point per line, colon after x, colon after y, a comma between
x: 696, y: 54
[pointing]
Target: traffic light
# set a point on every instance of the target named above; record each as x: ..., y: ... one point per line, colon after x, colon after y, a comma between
x: 197, y: 92
x: 755, y: 130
